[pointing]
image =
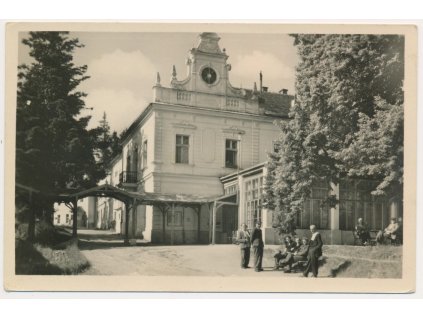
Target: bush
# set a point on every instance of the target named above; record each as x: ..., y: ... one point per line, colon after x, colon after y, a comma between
x: 63, y: 259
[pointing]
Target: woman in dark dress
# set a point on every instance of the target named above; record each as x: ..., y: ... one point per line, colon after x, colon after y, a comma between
x: 314, y: 252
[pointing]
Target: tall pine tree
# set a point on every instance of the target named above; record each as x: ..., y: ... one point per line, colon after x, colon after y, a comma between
x: 107, y: 143
x: 54, y: 149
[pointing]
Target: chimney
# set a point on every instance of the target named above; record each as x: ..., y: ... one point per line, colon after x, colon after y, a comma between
x: 265, y: 88
x: 283, y: 91
x: 261, y: 82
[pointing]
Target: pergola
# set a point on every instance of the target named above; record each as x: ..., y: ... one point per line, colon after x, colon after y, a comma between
x: 165, y: 202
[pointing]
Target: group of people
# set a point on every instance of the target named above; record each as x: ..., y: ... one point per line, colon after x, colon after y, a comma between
x: 293, y: 251
x: 391, y: 233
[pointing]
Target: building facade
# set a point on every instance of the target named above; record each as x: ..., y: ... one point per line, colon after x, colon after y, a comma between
x: 202, y: 137
x: 195, y: 130
x: 336, y: 224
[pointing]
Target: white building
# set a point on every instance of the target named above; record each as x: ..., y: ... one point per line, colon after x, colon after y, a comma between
x: 196, y: 130
x: 202, y: 137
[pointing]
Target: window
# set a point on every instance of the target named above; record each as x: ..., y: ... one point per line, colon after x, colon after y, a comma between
x: 316, y: 210
x: 231, y: 153
x: 356, y: 201
x: 58, y: 219
x: 182, y: 149
x: 232, y: 189
x: 144, y: 154
x: 128, y: 162
x: 253, y: 195
x: 67, y: 218
x: 178, y: 218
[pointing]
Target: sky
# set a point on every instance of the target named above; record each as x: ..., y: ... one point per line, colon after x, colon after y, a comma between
x: 123, y: 67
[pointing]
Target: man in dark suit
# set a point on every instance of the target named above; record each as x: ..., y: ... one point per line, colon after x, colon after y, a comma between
x: 258, y: 247
x: 314, y: 252
x: 243, y: 239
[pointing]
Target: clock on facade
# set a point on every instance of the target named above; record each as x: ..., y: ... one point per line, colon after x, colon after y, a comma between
x: 209, y: 75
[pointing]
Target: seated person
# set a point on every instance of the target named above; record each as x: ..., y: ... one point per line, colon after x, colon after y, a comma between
x: 362, y: 232
x: 289, y: 247
x: 297, y: 241
x: 390, y: 232
x: 299, y: 255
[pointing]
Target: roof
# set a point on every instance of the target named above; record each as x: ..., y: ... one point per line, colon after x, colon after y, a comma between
x: 275, y: 104
x: 149, y: 198
x: 132, y: 128
x: 245, y: 172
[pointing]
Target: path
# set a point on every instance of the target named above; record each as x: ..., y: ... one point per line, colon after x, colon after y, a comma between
x: 108, y: 256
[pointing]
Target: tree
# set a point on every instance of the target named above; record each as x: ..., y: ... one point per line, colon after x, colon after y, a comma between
x: 107, y: 144
x: 54, y: 149
x: 345, y: 84
x: 377, y: 150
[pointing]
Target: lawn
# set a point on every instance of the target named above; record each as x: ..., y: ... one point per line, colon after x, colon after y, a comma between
x: 364, y: 262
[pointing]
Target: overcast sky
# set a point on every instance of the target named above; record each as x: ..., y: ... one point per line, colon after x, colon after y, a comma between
x: 123, y: 66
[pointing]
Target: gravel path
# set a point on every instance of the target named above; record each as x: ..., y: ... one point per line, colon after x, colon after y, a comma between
x: 108, y: 256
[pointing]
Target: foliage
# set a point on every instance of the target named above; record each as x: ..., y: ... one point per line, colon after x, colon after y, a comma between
x: 348, y: 90
x: 54, y: 149
x: 377, y: 150
x: 43, y: 260
x: 107, y: 144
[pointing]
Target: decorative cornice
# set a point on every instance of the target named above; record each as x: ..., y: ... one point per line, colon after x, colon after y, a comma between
x: 233, y: 130
x: 184, y: 124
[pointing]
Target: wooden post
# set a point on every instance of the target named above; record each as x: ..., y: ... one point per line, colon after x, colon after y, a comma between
x: 172, y: 224
x: 126, y: 241
x: 214, y: 224
x: 164, y: 212
x: 134, y: 218
x: 199, y: 223
x: 75, y: 218
x: 183, y: 225
x: 210, y: 222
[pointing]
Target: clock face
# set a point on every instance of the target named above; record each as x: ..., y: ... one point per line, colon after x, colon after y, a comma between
x: 209, y: 75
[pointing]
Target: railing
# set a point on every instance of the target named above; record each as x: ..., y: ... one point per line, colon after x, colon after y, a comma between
x: 128, y: 177
x: 183, y: 96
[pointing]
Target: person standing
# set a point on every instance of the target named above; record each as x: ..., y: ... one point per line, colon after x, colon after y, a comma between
x: 258, y: 247
x: 243, y: 239
x: 314, y: 252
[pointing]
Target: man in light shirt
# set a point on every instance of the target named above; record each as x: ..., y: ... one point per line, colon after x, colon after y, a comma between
x: 390, y: 232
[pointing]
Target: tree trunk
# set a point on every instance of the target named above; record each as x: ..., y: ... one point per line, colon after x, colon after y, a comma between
x: 31, y: 221
x: 75, y: 218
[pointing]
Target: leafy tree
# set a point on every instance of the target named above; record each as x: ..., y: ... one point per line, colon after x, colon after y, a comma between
x: 377, y: 150
x: 54, y: 149
x: 348, y: 88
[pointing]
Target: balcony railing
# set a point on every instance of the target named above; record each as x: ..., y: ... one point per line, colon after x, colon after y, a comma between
x: 128, y: 177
